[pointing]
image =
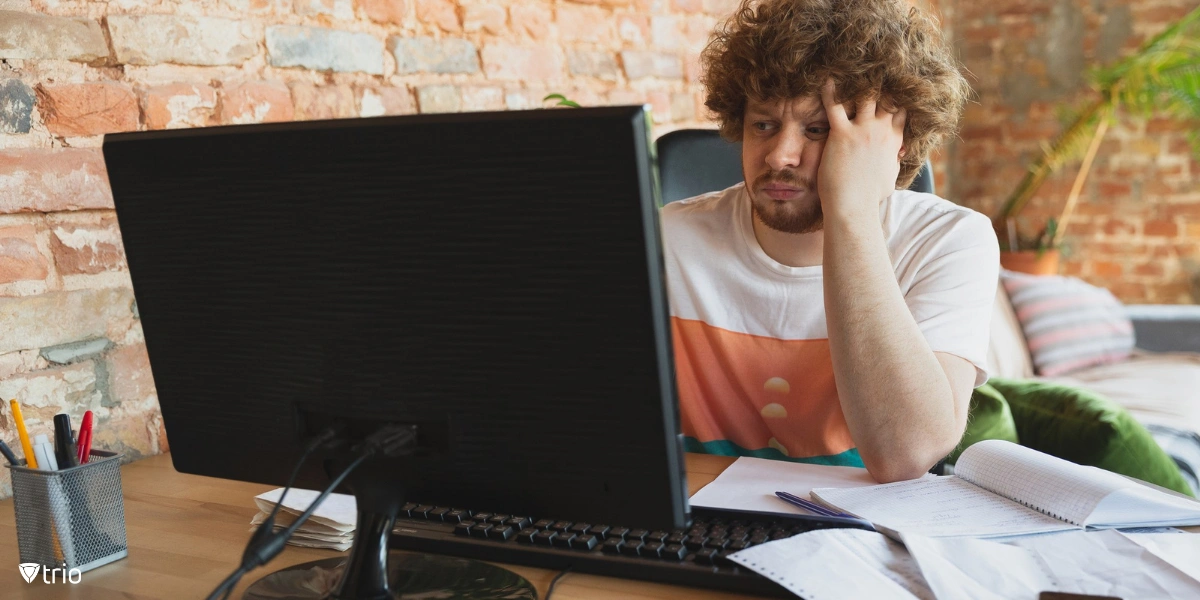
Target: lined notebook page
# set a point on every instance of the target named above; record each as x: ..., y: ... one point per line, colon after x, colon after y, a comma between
x: 1074, y: 493
x: 939, y: 507
x: 1049, y: 484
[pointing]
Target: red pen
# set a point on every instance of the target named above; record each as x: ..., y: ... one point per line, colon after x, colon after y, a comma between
x: 85, y: 438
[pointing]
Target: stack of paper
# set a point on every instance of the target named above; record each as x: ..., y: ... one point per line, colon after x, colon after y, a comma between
x: 330, y: 526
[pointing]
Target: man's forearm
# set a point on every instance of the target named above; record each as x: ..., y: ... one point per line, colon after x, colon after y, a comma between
x: 897, y: 400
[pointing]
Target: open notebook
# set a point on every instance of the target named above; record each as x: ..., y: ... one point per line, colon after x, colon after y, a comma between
x: 1002, y: 489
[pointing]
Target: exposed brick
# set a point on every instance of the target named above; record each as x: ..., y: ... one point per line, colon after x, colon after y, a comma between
x: 323, y: 102
x: 610, y: 3
x: 379, y: 101
x: 19, y: 256
x: 439, y: 98
x: 257, y: 7
x: 179, y: 105
x: 34, y: 36
x: 442, y: 13
x: 71, y: 389
x: 60, y: 317
x: 720, y: 8
x: 73, y: 352
x: 584, y: 23
x: 53, y: 180
x: 592, y: 64
x: 532, y: 20
x: 697, y: 29
x: 523, y: 63
x: 88, y: 249
x: 256, y: 102
x: 634, y: 29
x: 640, y: 64
x: 385, y: 11
x: 484, y: 17
x: 660, y: 106
x: 78, y: 109
x: 129, y: 373
x: 1160, y: 228
x: 692, y: 69
x: 688, y: 5
x: 480, y: 98
x: 16, y: 106
x: 202, y: 41
x: 447, y: 55
x: 683, y: 107
x: 322, y: 49
x: 667, y: 32
x: 1106, y: 269
x: 338, y: 9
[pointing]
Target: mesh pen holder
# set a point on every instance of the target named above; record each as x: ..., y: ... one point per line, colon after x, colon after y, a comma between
x: 73, y: 518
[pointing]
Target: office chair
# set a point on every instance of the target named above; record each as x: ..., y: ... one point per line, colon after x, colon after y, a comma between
x: 695, y: 161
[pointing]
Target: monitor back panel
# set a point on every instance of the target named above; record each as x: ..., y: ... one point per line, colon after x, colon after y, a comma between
x: 495, y: 277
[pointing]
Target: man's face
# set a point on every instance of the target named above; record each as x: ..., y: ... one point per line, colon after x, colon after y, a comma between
x: 782, y: 141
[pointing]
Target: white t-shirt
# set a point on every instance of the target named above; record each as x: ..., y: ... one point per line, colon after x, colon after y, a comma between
x: 753, y: 366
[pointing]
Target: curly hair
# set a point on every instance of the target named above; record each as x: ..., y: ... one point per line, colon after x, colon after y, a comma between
x: 781, y: 49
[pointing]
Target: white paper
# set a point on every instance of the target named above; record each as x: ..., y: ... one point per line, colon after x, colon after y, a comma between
x: 940, y: 506
x: 979, y: 569
x: 750, y: 484
x: 338, y: 511
x: 838, y: 563
x: 1179, y: 549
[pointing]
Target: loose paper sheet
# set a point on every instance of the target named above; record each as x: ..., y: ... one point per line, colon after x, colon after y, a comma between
x: 338, y: 511
x: 750, y: 484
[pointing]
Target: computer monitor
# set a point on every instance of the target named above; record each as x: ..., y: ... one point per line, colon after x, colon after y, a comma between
x: 495, y: 279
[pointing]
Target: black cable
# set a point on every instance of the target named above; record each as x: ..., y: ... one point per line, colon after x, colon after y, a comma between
x: 554, y: 582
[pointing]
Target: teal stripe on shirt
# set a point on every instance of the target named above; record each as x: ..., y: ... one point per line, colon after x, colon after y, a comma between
x: 849, y: 458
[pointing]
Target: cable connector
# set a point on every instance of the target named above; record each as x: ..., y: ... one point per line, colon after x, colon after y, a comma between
x: 392, y: 441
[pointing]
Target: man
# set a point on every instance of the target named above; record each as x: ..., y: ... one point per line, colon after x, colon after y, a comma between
x: 818, y: 313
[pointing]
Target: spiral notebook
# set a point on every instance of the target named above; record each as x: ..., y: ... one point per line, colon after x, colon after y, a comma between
x: 1002, y: 489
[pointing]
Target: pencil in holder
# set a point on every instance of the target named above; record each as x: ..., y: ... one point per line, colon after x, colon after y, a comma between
x: 73, y: 518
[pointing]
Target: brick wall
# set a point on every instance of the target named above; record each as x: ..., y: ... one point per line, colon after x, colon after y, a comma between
x: 1137, y: 225
x: 72, y: 70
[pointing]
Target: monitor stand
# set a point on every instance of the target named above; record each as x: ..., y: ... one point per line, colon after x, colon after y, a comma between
x: 372, y: 572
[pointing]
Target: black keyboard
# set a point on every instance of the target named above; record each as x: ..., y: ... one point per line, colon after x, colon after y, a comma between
x: 696, y: 556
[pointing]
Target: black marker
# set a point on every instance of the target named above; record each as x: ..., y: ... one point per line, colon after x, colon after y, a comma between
x: 8, y: 454
x: 64, y: 447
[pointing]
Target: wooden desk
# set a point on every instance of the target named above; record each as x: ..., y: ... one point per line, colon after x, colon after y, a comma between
x: 186, y: 533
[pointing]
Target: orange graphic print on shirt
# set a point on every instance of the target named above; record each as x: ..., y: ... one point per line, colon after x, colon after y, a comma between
x: 757, y: 391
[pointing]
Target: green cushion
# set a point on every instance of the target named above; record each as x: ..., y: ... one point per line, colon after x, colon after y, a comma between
x: 1086, y: 428
x: 988, y: 419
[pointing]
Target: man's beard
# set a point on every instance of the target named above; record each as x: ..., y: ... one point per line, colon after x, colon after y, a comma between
x: 786, y: 217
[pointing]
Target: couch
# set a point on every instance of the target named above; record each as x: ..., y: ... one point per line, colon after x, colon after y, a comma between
x: 1159, y: 384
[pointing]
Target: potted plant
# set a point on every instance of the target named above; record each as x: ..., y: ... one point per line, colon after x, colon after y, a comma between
x: 1161, y: 78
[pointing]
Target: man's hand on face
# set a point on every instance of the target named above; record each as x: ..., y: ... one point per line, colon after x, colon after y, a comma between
x: 861, y: 159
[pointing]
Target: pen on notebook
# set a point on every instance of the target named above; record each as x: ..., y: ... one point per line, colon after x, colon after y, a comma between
x: 26, y: 445
x: 810, y: 506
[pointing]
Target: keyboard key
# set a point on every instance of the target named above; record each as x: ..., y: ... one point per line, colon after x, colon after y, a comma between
x: 706, y: 556
x: 580, y: 528
x: 518, y: 522
x: 717, y: 543
x: 722, y: 559
x: 546, y: 537
x: 738, y: 545
x: 651, y: 549
x: 421, y: 512
x: 406, y: 510
x: 697, y: 532
x: 694, y: 543
x: 543, y: 523
x: 630, y: 548
x: 562, y: 525
x: 586, y: 541
x: 498, y: 519
x: 438, y: 513
x: 779, y: 535
x: 656, y: 536
x: 464, y: 528
x: 526, y: 535
x: 618, y: 532
x: 598, y: 530
x: 759, y: 539
x: 456, y: 516
x: 563, y: 539
x: 480, y: 530
x: 636, y: 534
x: 676, y: 538
x: 673, y: 552
x: 612, y: 545
x: 500, y: 532
x: 481, y: 517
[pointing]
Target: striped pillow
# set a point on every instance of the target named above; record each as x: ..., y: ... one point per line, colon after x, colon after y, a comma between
x: 1068, y: 324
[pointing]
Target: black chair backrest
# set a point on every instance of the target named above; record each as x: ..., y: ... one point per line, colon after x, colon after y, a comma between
x: 694, y: 161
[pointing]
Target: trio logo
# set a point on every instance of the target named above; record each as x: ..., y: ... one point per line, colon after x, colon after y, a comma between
x: 29, y: 572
